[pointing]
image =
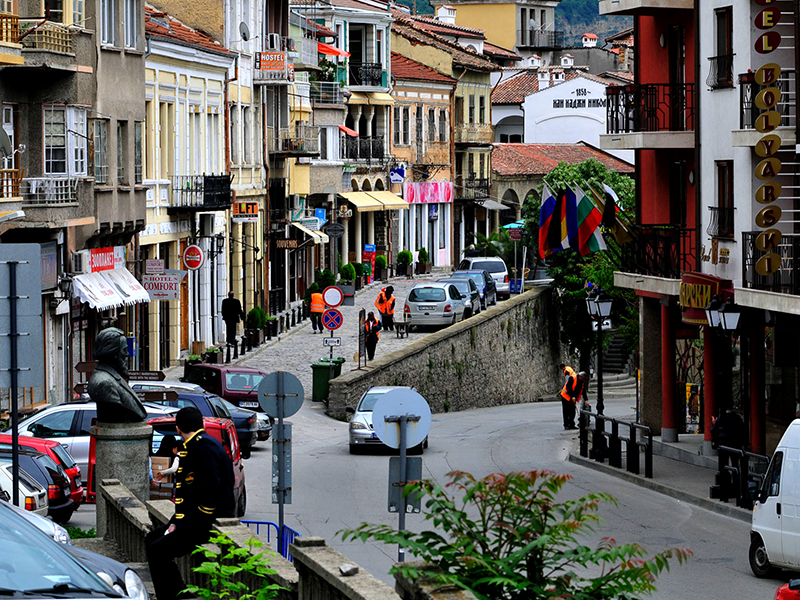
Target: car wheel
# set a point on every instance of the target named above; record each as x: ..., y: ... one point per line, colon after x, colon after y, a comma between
x: 416, y: 449
x: 241, y: 506
x: 354, y: 449
x: 759, y: 561
x: 245, y: 453
x: 455, y: 318
x: 425, y: 442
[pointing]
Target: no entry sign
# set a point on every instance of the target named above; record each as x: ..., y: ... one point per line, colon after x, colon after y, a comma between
x: 332, y: 319
x: 332, y: 296
x: 193, y: 257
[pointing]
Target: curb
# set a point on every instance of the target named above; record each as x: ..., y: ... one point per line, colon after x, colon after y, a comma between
x: 715, y: 506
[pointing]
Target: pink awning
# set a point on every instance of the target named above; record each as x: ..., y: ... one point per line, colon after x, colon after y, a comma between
x: 331, y: 50
x: 348, y: 131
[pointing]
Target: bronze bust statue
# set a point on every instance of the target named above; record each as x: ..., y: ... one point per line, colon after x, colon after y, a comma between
x: 108, y: 385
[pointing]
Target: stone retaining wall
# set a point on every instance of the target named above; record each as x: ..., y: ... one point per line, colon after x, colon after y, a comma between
x: 505, y: 355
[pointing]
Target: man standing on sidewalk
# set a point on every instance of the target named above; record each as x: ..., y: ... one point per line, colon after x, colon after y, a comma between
x: 317, y: 308
x: 385, y: 304
x: 566, y: 396
x: 232, y: 313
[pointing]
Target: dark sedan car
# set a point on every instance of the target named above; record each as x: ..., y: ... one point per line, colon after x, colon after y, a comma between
x: 486, y: 285
x: 50, y: 475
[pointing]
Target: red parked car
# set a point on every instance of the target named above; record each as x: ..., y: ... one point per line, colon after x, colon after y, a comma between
x: 60, y: 455
x: 789, y: 591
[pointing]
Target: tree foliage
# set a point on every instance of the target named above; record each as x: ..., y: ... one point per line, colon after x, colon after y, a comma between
x: 508, y: 537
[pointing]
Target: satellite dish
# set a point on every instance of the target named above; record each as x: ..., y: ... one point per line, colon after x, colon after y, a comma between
x: 244, y: 31
x: 5, y: 143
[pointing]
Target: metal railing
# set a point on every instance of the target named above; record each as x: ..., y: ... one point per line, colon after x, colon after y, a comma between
x: 660, y: 251
x: 300, y: 139
x: 721, y: 225
x: 785, y: 279
x: 49, y: 190
x: 326, y: 92
x: 472, y: 189
x: 49, y: 36
x: 367, y: 74
x: 10, y: 181
x: 607, y: 442
x: 536, y: 38
x: 306, y: 51
x: 720, y: 73
x: 208, y: 192
x: 650, y: 107
x: 269, y: 531
x: 739, y: 476
x: 9, y: 28
x: 749, y: 89
x: 362, y: 148
x: 473, y: 133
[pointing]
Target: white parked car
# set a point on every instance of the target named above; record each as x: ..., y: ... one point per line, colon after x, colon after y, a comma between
x: 434, y: 304
x: 496, y: 267
x: 32, y: 494
x: 362, y: 434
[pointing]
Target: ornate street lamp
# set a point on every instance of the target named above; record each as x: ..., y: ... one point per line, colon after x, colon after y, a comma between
x: 729, y: 314
x: 712, y: 311
x: 598, y: 304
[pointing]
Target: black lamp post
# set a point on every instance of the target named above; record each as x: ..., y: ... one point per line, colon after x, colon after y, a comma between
x: 598, y: 305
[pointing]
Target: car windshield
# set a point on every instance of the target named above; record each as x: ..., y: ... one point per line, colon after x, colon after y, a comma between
x: 368, y: 402
x: 476, y: 277
x: 426, y: 294
x: 462, y: 285
x: 242, y: 382
x: 493, y: 266
x: 64, y: 457
x: 36, y: 566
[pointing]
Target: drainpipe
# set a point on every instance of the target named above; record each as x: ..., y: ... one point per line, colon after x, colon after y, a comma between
x: 453, y: 256
x: 227, y: 119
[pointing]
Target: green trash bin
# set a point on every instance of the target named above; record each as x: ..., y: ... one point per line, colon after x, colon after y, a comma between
x: 321, y: 371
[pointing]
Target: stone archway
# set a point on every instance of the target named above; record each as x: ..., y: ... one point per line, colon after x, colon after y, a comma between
x: 510, y: 199
x: 366, y: 186
x: 379, y: 185
x: 354, y: 185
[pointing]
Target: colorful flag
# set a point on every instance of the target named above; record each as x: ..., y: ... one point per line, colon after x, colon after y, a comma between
x: 617, y: 229
x: 610, y: 210
x: 589, y: 236
x: 569, y: 226
x: 545, y: 217
x: 555, y: 234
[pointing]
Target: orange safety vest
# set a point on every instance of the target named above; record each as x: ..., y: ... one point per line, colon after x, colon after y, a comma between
x: 384, y: 305
x: 368, y: 327
x: 572, y: 378
x: 317, y: 303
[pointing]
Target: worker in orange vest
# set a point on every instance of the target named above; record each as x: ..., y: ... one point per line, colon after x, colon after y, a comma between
x: 385, y: 305
x: 567, y: 396
x: 317, y: 308
x: 372, y: 331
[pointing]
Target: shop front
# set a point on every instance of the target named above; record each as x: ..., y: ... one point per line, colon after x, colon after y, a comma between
x: 429, y: 221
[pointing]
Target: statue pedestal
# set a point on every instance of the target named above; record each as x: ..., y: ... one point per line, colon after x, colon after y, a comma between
x: 122, y: 452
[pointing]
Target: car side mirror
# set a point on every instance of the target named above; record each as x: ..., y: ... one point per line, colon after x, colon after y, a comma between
x: 463, y: 296
x: 5, y: 496
x: 794, y: 585
x: 350, y: 410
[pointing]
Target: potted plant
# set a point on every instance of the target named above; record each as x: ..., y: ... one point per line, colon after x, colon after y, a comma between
x: 404, y: 258
x: 348, y: 274
x: 256, y: 319
x: 192, y: 359
x: 423, y: 261
x: 212, y: 355
x: 357, y: 267
x: 381, y: 272
x: 272, y: 325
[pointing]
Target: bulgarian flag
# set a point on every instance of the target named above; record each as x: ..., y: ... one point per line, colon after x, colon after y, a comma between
x: 589, y: 217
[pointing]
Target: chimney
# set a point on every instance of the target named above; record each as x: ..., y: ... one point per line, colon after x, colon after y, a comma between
x: 446, y: 14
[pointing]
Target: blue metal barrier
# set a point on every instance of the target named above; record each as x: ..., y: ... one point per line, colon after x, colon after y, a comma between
x: 282, y: 538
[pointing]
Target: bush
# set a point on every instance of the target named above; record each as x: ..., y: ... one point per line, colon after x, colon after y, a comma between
x: 348, y: 272
x: 380, y: 262
x: 256, y: 318
x: 312, y: 289
x: 423, y: 255
x: 325, y: 279
x: 404, y: 257
x: 359, y: 268
x: 212, y: 350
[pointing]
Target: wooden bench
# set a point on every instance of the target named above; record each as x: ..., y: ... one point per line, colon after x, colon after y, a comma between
x: 401, y: 328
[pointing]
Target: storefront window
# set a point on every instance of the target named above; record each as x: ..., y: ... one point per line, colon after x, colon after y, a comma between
x: 442, y: 220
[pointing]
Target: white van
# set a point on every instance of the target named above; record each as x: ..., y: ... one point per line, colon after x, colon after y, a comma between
x: 775, y: 532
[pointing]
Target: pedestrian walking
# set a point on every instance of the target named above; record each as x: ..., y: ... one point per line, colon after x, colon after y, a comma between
x: 566, y: 395
x: 317, y: 308
x: 203, y: 493
x: 232, y: 313
x: 385, y: 304
x: 372, y: 332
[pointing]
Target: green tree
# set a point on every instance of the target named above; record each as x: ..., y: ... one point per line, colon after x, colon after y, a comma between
x: 508, y: 537
x: 571, y: 271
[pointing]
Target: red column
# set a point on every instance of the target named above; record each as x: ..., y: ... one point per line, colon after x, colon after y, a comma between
x: 667, y: 370
x: 755, y: 338
x: 710, y: 381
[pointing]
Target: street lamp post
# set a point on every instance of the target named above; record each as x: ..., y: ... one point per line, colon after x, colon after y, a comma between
x: 598, y: 305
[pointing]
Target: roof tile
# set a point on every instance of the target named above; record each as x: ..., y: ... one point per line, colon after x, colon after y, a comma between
x: 405, y: 68
x: 540, y: 159
x: 160, y: 24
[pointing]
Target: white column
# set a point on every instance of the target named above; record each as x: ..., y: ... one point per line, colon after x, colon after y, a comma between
x: 371, y: 227
x: 359, y: 223
x: 345, y: 245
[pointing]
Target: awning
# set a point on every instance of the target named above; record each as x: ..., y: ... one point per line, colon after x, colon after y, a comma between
x: 109, y: 289
x: 377, y: 200
x: 358, y: 98
x: 348, y: 131
x: 10, y: 215
x: 380, y: 98
x: 331, y: 50
x: 492, y: 205
x: 390, y: 200
x: 317, y: 236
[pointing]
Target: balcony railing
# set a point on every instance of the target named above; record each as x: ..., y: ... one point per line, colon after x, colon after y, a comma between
x: 49, y: 36
x: 10, y: 181
x: 305, y: 52
x: 659, y: 251
x: 783, y: 281
x: 536, y: 38
x: 49, y: 190
x: 363, y: 148
x: 720, y: 74
x: 367, y: 74
x: 650, y: 107
x: 326, y: 92
x: 200, y: 192
x: 9, y: 28
x: 749, y: 89
x: 300, y: 140
x: 721, y: 225
x: 472, y: 189
x: 473, y: 133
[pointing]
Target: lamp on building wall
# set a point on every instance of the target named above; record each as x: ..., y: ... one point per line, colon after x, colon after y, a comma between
x: 729, y: 314
x: 712, y: 311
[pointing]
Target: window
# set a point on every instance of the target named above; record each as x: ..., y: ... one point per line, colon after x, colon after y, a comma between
x: 131, y: 24
x: 418, y: 118
x: 482, y: 109
x: 235, y: 135
x: 471, y: 116
x: 76, y: 135
x: 431, y: 124
x: 442, y: 125
x: 406, y: 125
x: 55, y: 10
x: 722, y: 226
x: 122, y: 140
x: 107, y: 23
x: 379, y: 47
x: 481, y: 165
x: 100, y: 150
x: 396, y: 124
x: 772, y: 480
x: 78, y: 10
x: 323, y: 142
x: 64, y: 140
x: 55, y: 424
x: 137, y: 152
x: 471, y: 165
x: 7, y: 6
x: 721, y: 72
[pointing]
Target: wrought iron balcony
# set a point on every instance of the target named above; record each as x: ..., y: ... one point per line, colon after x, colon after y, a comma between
x: 650, y: 107
x: 720, y: 74
x: 326, y: 92
x: 721, y: 225
x: 536, y: 38
x: 49, y: 190
x: 367, y: 74
x: 473, y: 133
x: 48, y: 36
x: 783, y: 281
x: 472, y: 189
x: 749, y: 89
x: 659, y: 251
x: 363, y: 148
x: 300, y: 140
x: 200, y: 193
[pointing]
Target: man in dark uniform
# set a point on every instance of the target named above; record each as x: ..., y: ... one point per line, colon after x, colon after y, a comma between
x: 203, y: 492
x: 232, y: 313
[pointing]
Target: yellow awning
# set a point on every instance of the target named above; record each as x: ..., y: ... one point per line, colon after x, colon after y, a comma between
x: 356, y: 98
x: 317, y: 236
x: 10, y: 215
x: 390, y: 200
x: 363, y: 201
x: 379, y: 98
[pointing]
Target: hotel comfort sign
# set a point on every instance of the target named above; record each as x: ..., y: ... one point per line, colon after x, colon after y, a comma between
x: 767, y: 40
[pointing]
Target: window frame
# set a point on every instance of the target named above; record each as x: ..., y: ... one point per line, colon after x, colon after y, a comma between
x: 100, y: 142
x: 75, y: 137
x: 431, y: 124
x: 131, y: 24
x: 108, y: 23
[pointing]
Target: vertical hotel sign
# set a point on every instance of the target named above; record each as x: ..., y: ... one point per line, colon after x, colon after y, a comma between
x: 768, y: 40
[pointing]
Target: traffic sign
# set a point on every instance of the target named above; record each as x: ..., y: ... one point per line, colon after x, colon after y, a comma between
x: 332, y: 296
x: 335, y: 230
x: 80, y: 388
x: 396, y: 403
x: 193, y: 257
x: 332, y: 341
x: 515, y: 234
x: 147, y: 375
x: 292, y: 392
x: 153, y: 396
x: 86, y: 367
x: 332, y: 319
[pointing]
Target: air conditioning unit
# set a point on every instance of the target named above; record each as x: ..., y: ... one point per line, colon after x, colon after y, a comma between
x: 289, y: 45
x: 206, y: 225
x: 81, y: 262
x: 273, y: 41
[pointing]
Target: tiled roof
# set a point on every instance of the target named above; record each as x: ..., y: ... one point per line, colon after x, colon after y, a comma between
x: 321, y: 30
x: 160, y: 24
x: 591, y: 36
x: 540, y: 159
x: 430, y: 23
x: 499, y: 52
x: 517, y: 88
x: 623, y: 35
x: 405, y: 68
x: 622, y: 76
x: 462, y: 57
x: 358, y: 5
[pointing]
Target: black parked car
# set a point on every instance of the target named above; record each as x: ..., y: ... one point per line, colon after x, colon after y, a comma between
x: 487, y: 288
x: 50, y: 475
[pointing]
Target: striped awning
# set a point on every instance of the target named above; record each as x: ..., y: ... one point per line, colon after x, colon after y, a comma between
x: 109, y: 289
x: 375, y: 200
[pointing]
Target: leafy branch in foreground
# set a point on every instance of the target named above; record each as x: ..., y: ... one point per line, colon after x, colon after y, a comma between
x: 506, y: 537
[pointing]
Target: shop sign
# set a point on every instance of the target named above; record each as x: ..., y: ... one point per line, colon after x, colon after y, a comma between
x: 105, y: 259
x: 427, y: 192
x: 696, y: 291
x: 310, y: 223
x: 193, y: 257
x: 245, y: 212
x: 162, y: 286
x: 271, y: 61
x: 433, y: 212
x: 49, y: 251
x: 287, y: 244
x: 397, y: 175
x: 154, y: 266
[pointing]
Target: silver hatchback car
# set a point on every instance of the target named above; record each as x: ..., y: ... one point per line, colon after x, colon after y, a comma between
x: 434, y: 304
x: 362, y: 435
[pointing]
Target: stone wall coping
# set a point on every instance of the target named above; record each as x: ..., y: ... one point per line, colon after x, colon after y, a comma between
x: 125, y: 502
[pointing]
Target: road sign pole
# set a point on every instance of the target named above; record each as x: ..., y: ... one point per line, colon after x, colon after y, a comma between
x: 281, y: 396
x: 401, y: 523
x: 330, y: 363
x: 12, y: 331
